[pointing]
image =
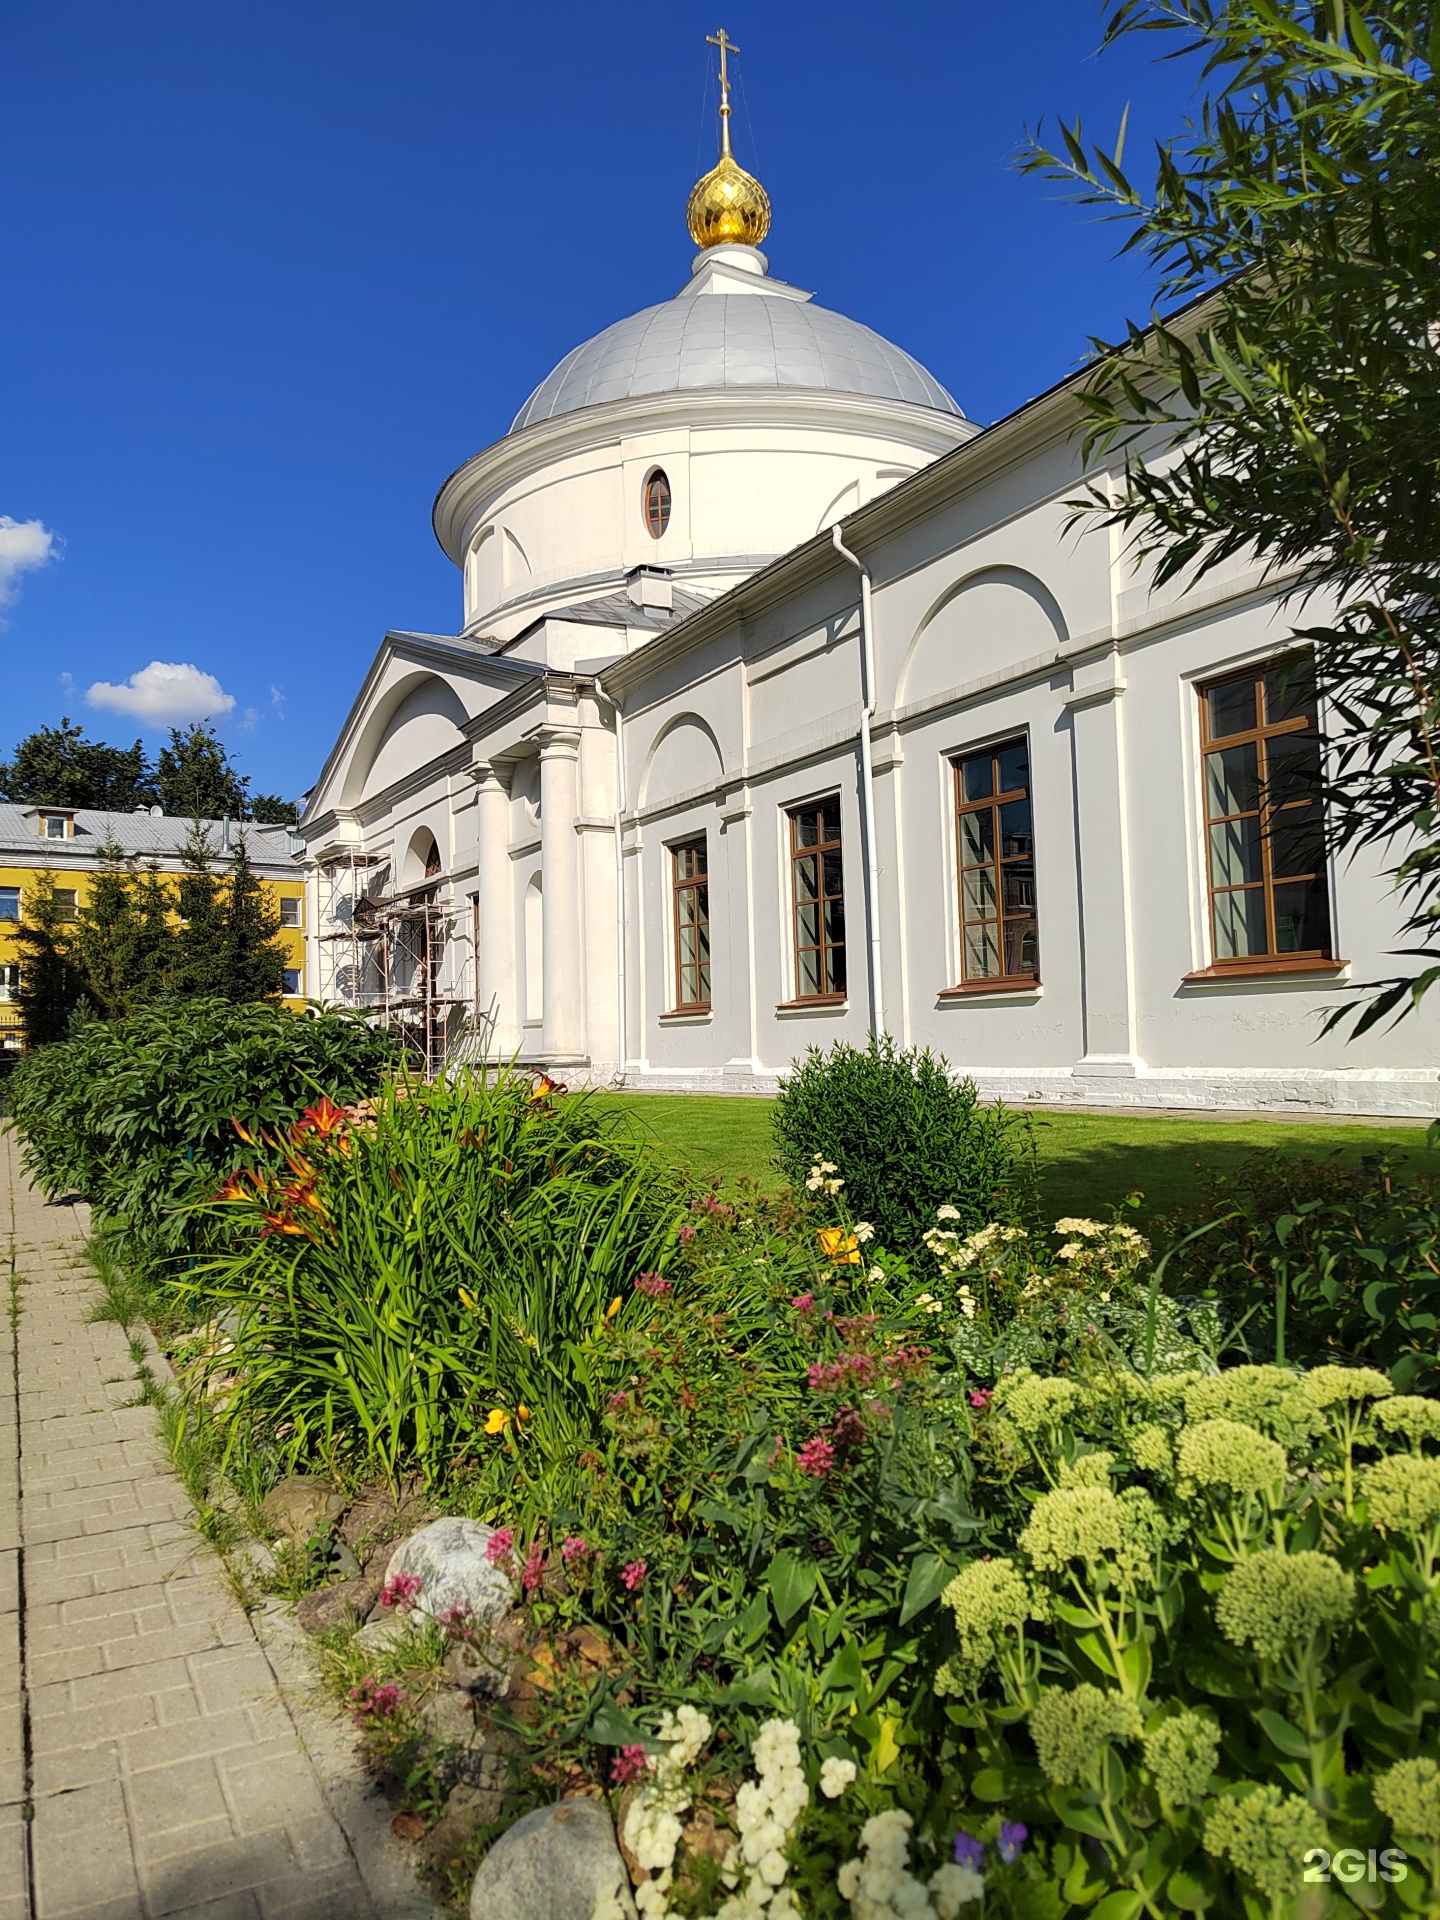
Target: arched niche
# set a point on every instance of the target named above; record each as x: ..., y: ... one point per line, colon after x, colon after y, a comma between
x: 482, y: 572
x: 418, y: 719
x: 684, y: 756
x: 982, y: 625
x: 535, y: 948
x: 422, y: 859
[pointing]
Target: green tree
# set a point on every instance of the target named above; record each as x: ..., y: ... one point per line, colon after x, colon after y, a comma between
x: 199, y: 962
x: 59, y: 767
x: 103, y: 946
x: 197, y: 779
x: 51, y: 985
x: 253, y: 960
x: 1299, y: 398
x: 154, y: 949
x: 271, y: 811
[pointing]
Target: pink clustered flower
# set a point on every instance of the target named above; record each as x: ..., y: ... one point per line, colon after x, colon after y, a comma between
x: 630, y: 1764
x: 575, y: 1548
x: 369, y: 1701
x: 685, y: 1236
x: 500, y: 1546
x: 981, y: 1398
x: 457, y: 1623
x: 534, y: 1568
x: 841, y: 1374
x: 617, y: 1403
x: 816, y: 1457
x: 633, y: 1578
x: 655, y: 1284
x: 401, y: 1590
x: 803, y: 1303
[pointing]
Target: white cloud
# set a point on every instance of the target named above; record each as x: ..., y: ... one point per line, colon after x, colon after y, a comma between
x: 165, y: 694
x: 24, y: 545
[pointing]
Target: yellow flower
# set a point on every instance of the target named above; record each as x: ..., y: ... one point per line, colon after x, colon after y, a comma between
x: 498, y: 1420
x: 613, y: 1308
x: 838, y: 1245
x: 523, y: 1411
x: 468, y: 1300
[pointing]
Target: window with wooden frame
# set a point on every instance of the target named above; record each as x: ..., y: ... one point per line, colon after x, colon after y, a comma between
x: 999, y: 934
x: 817, y: 900
x: 690, y: 890
x: 1266, y: 873
x: 657, y: 504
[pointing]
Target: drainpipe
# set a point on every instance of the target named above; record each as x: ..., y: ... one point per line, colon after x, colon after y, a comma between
x: 867, y: 781
x: 619, y: 874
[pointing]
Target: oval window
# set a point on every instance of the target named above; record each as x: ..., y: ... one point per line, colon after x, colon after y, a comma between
x: 657, y: 504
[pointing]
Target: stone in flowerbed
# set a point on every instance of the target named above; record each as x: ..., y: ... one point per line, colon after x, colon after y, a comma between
x: 558, y: 1862
x: 339, y: 1605
x: 300, y: 1506
x: 448, y: 1573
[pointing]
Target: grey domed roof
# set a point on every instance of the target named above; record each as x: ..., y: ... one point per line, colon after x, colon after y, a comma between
x: 732, y: 340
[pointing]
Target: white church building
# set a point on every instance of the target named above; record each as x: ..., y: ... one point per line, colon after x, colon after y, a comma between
x: 787, y: 706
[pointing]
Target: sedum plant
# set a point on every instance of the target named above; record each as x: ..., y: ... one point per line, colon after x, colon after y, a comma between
x: 1208, y: 1662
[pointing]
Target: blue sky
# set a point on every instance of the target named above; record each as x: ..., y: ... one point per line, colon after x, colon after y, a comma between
x: 271, y: 272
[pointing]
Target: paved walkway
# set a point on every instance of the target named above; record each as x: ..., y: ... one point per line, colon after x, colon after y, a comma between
x: 148, y: 1765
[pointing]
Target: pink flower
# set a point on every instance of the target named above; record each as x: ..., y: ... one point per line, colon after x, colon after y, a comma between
x: 777, y: 1452
x: 401, y: 1590
x: 534, y: 1568
x: 981, y: 1398
x: 617, y: 1403
x: 575, y: 1548
x: 457, y: 1623
x: 377, y: 1702
x: 816, y: 1457
x: 500, y: 1546
x: 629, y: 1766
x: 655, y: 1284
x: 685, y: 1236
x: 633, y: 1578
x: 803, y: 1302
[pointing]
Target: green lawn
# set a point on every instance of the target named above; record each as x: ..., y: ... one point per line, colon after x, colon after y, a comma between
x: 1087, y: 1160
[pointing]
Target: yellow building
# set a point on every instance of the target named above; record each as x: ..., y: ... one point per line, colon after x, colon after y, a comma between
x: 66, y: 841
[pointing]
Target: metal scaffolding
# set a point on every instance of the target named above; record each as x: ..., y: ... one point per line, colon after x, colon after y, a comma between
x: 407, y: 959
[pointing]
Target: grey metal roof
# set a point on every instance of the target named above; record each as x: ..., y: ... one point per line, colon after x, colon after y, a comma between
x: 148, y: 835
x: 732, y: 340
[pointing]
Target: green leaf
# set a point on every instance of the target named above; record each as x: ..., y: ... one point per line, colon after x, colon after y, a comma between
x: 1290, y: 1740
x: 990, y: 1784
x: 1079, y: 1812
x: 844, y: 1673
x: 1187, y: 1892
x: 929, y: 1577
x: 755, y: 1689
x: 1123, y: 1904
x: 609, y: 1727
x: 791, y: 1581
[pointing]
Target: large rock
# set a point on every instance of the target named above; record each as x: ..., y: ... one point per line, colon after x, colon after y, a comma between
x: 552, y: 1865
x: 455, y: 1572
x: 300, y: 1507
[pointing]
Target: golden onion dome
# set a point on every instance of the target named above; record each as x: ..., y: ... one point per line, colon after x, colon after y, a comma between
x: 728, y: 207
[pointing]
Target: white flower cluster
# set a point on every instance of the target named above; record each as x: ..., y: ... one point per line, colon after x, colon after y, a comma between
x: 766, y: 1811
x: 821, y: 1177
x: 983, y: 1249
x: 835, y: 1777
x: 652, y: 1825
x: 880, y: 1886
x: 927, y: 1303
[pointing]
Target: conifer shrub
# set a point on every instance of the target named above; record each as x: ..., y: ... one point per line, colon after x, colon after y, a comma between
x: 907, y: 1137
x: 138, y: 1115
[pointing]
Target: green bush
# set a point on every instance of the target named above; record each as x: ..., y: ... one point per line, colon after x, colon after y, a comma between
x: 138, y: 1115
x: 1316, y: 1260
x: 906, y: 1138
x: 458, y: 1259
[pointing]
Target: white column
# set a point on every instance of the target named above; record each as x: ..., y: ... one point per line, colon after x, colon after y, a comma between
x: 1107, y: 959
x: 564, y: 1029
x: 495, y: 911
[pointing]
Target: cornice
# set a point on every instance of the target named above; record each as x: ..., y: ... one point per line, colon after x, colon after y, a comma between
x: 519, y: 454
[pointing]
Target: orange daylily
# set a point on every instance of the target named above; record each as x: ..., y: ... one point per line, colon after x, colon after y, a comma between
x: 498, y: 1420
x: 613, y: 1308
x: 545, y: 1086
x: 838, y: 1245
x: 324, y: 1118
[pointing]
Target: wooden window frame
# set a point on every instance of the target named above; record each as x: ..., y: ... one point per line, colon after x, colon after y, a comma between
x: 697, y: 883
x: 1314, y: 960
x: 992, y: 803
x: 830, y: 996
x: 72, y: 896
x: 657, y: 476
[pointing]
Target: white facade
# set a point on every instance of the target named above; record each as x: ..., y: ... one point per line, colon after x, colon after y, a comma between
x: 614, y: 695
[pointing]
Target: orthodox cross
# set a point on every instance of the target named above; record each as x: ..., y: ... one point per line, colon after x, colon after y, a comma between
x: 727, y: 46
